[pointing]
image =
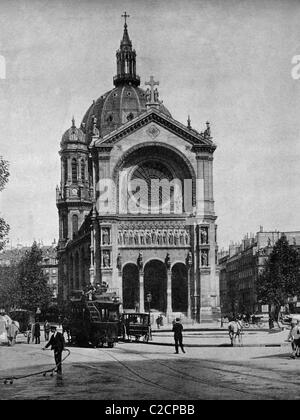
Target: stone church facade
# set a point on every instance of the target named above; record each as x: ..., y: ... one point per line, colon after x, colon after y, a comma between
x: 135, y: 203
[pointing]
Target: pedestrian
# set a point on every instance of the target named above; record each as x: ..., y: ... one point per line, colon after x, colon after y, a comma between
x: 271, y: 321
x: 158, y: 322
x: 295, y: 336
x: 46, y: 330
x: 57, y: 343
x: 177, y: 329
x: 37, y: 332
x: 29, y: 329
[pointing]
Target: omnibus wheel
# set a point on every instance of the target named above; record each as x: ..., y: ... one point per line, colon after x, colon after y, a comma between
x: 110, y: 344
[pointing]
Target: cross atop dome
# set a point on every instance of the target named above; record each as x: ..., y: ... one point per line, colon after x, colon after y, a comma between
x: 125, y: 16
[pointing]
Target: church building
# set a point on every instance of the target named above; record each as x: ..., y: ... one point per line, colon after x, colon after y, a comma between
x: 135, y: 202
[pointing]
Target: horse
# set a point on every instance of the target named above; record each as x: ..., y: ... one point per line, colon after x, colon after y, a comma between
x: 12, y: 332
x: 235, y: 331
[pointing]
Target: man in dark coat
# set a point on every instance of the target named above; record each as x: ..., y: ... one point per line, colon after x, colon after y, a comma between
x: 177, y: 329
x: 37, y: 332
x: 57, y: 343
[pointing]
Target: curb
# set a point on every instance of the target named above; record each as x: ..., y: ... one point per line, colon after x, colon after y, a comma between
x: 216, y: 345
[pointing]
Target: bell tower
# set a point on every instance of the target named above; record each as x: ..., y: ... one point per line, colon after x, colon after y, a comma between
x: 74, y: 196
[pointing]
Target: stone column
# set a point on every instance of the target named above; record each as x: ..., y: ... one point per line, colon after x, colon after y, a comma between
x: 169, y: 291
x: 63, y: 181
x: 200, y: 189
x: 189, y: 311
x: 142, y: 293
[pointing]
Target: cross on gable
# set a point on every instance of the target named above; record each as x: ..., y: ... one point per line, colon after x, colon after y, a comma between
x: 152, y: 83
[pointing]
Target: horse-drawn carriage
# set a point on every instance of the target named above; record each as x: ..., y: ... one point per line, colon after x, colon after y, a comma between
x: 135, y: 325
x: 94, y: 321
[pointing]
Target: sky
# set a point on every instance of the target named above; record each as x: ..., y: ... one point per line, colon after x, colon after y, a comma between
x: 227, y: 61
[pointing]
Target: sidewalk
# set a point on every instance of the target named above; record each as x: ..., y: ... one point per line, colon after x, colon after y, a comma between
x: 220, y: 338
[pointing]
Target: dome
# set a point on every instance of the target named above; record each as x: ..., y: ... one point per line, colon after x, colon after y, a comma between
x: 73, y: 135
x: 116, y: 107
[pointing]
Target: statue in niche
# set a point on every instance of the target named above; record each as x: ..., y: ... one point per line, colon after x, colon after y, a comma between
x: 131, y: 238
x: 106, y: 259
x: 204, y: 235
x: 153, y: 237
x: 159, y: 238
x: 181, y: 238
x: 168, y: 261
x: 165, y: 237
x: 189, y: 259
x: 140, y: 262
x: 120, y: 238
x: 135, y: 238
x: 148, y: 238
x: 105, y: 237
x: 176, y: 238
x: 204, y: 258
x: 119, y: 262
x: 171, y: 237
x: 187, y: 238
x: 125, y: 235
x: 142, y: 237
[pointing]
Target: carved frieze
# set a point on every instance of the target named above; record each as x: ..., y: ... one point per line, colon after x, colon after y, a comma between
x: 153, y: 237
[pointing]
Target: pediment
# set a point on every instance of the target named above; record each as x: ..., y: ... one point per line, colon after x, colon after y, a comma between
x: 155, y: 119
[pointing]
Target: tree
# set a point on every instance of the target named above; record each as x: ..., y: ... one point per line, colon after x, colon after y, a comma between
x: 4, y: 175
x: 280, y: 278
x: 32, y: 283
x: 9, y: 290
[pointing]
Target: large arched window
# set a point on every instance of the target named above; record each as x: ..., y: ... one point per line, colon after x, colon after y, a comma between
x: 75, y: 224
x: 74, y: 170
x: 82, y: 168
x: 65, y: 226
x: 152, y: 185
x: 65, y: 169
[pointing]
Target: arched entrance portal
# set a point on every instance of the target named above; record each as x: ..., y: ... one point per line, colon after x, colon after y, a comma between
x: 179, y: 288
x: 130, y: 284
x: 155, y: 282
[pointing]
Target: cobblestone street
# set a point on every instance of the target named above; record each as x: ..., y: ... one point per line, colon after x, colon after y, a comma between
x: 141, y: 372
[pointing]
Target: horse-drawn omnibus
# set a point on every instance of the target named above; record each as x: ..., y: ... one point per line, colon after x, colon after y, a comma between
x: 94, y: 321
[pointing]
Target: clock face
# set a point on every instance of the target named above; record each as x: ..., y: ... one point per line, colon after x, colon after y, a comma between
x: 74, y: 191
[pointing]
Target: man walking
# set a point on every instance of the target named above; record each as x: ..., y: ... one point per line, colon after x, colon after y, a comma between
x: 177, y: 329
x: 46, y: 330
x: 37, y: 332
x: 57, y: 343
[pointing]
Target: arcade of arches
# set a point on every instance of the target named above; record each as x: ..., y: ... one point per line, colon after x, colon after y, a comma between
x: 155, y: 275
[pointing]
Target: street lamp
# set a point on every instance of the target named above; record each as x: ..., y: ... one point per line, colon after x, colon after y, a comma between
x: 149, y: 299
